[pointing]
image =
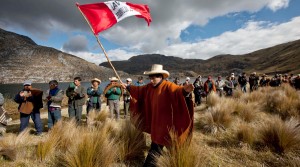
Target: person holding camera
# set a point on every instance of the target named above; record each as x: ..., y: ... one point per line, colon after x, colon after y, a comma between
x: 53, y: 96
x: 30, y: 102
x: 76, y: 94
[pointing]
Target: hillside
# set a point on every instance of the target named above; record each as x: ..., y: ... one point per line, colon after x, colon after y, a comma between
x: 21, y: 58
x: 283, y: 58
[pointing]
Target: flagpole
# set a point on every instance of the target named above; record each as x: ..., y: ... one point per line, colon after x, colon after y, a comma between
x: 101, y: 46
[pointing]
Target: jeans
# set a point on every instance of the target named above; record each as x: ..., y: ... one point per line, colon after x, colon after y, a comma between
x: 75, y: 113
x: 243, y: 87
x: 198, y: 99
x: 91, y: 106
x: 36, y: 118
x: 126, y: 108
x: 54, y: 115
x: 114, y: 107
x: 155, y: 150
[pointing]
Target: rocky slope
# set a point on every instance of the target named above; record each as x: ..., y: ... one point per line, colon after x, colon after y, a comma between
x: 283, y: 58
x: 21, y: 58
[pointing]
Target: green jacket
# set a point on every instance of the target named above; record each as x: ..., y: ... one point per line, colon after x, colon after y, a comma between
x: 113, y: 95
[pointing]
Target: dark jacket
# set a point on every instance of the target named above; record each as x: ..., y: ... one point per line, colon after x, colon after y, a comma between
x: 76, y: 96
x: 242, y: 80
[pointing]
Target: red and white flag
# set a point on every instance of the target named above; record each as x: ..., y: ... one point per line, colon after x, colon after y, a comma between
x: 104, y: 15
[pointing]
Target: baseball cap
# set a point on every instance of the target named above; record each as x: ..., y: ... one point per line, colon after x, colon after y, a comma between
x: 27, y: 82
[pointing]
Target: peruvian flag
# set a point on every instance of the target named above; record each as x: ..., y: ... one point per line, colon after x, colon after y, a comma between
x: 104, y: 15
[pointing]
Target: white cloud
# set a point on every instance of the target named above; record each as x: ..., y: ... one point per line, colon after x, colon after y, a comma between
x: 253, y: 36
x: 116, y: 54
x: 275, y: 5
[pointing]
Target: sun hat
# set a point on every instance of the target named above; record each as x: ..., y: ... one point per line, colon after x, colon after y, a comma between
x: 27, y: 82
x: 96, y: 79
x: 157, y: 69
x: 129, y: 79
x: 113, y: 79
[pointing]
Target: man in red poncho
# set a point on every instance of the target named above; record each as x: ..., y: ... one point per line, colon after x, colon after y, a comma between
x: 161, y: 106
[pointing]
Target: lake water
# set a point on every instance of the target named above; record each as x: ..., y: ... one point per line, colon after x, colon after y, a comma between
x: 10, y: 90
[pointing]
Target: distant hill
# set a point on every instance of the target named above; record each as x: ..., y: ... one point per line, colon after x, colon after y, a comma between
x: 283, y: 58
x: 21, y: 58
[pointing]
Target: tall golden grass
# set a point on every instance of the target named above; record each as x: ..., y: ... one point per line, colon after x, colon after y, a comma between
x: 131, y: 143
x: 267, y: 120
x: 281, y: 136
x: 184, y: 155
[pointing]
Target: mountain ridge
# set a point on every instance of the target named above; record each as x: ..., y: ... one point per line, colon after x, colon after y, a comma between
x: 21, y: 58
x: 282, y: 58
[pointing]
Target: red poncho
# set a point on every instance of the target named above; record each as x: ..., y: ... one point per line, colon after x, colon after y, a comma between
x: 160, y: 109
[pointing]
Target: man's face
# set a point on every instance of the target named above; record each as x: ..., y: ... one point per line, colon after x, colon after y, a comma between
x: 77, y: 82
x: 95, y: 84
x: 128, y: 82
x: 52, y: 86
x: 27, y: 87
x: 155, y: 79
x: 113, y: 82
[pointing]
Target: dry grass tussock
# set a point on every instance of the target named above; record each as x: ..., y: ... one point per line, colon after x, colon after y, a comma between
x: 93, y: 148
x: 131, y: 144
x: 246, y: 134
x: 14, y: 146
x: 97, y: 118
x: 277, y: 102
x: 212, y: 99
x: 246, y: 111
x: 188, y: 154
x: 281, y: 136
x: 11, y: 107
x: 217, y: 118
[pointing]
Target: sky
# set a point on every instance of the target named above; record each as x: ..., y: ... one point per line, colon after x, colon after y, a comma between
x: 197, y: 29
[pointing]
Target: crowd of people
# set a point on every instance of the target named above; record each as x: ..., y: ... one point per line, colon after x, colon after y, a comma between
x: 226, y: 87
x: 159, y: 105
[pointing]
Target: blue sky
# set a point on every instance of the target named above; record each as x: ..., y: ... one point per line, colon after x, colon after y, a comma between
x: 188, y: 29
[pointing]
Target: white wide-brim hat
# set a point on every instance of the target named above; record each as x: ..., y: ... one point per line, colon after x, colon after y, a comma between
x: 96, y: 79
x: 113, y: 79
x: 157, y: 69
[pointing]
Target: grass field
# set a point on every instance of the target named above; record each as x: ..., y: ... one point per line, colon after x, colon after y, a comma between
x: 261, y: 128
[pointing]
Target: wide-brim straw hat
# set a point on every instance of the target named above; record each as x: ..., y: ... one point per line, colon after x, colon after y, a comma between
x: 113, y: 79
x: 157, y: 69
x: 96, y: 79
